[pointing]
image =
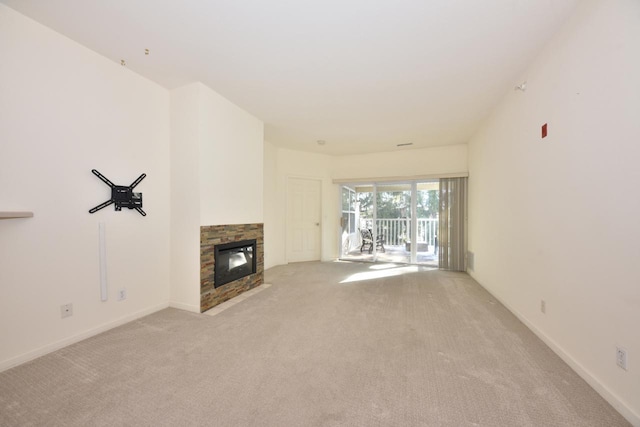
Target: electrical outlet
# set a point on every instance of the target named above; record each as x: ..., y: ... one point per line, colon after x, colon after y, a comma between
x: 621, y: 357
x: 66, y: 310
x: 543, y: 306
x: 122, y: 294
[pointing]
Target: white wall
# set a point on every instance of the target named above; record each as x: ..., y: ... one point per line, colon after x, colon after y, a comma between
x: 280, y: 164
x: 298, y: 164
x: 557, y: 219
x: 216, y: 178
x: 65, y: 110
x: 185, y: 198
x: 443, y: 160
x: 274, y: 244
x: 231, y: 162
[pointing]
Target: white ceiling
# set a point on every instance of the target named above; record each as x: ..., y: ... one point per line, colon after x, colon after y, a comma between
x: 363, y: 75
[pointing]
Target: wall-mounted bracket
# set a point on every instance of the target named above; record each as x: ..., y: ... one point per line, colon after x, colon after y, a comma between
x: 121, y: 196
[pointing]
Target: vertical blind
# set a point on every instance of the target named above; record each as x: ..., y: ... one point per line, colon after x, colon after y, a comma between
x: 452, y: 227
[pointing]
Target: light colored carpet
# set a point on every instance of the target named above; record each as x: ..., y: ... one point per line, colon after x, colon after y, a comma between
x: 328, y: 344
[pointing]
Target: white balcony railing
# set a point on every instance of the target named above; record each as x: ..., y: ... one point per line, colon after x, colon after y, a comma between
x: 398, y: 231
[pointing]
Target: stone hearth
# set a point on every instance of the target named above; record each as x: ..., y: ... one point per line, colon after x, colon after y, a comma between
x: 212, y: 235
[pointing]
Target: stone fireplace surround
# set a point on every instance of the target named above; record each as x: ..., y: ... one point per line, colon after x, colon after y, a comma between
x: 211, y: 235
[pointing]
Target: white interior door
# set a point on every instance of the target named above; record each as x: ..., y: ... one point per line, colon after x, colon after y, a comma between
x: 303, y: 220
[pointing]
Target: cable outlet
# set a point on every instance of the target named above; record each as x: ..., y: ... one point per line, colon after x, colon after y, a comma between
x: 543, y: 306
x: 621, y: 357
x: 122, y: 294
x: 66, y: 310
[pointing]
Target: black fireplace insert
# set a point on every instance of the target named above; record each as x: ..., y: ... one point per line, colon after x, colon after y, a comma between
x: 233, y: 261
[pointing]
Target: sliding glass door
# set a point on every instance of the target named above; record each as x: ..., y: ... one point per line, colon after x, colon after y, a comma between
x: 394, y: 222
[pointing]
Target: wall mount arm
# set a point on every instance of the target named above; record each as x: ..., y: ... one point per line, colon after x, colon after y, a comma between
x: 121, y: 196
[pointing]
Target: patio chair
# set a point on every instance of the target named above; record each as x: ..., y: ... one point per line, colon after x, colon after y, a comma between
x: 367, y: 240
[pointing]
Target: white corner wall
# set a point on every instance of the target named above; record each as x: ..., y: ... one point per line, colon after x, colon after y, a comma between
x: 185, y: 198
x: 283, y: 164
x: 274, y: 245
x: 557, y: 219
x: 65, y: 110
x: 216, y: 178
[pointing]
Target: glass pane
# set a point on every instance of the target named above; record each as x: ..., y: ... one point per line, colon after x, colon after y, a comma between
x: 359, y: 217
x: 427, y: 222
x: 393, y: 223
x: 365, y: 208
x: 345, y: 199
x: 345, y: 222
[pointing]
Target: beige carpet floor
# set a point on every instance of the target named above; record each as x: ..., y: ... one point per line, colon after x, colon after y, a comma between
x: 328, y: 344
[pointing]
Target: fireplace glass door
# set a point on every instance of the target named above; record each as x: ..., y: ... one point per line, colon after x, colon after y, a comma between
x: 234, y: 261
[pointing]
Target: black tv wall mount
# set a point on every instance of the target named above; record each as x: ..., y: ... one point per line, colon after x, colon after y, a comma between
x: 122, y: 196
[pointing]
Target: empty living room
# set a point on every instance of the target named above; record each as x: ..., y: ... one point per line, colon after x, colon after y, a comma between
x: 319, y: 213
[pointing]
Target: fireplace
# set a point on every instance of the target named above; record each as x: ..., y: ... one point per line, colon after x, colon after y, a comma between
x: 226, y: 242
x: 234, y: 261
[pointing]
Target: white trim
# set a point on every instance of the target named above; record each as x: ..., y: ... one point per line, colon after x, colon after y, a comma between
x: 102, y: 251
x: 49, y: 348
x: 600, y: 388
x: 399, y: 178
x: 185, y: 307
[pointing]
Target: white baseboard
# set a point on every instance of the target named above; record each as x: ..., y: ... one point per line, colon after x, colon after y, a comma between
x: 183, y: 306
x: 600, y: 388
x: 34, y: 354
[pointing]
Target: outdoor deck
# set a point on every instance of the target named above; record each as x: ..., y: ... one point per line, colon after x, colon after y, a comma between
x: 394, y: 253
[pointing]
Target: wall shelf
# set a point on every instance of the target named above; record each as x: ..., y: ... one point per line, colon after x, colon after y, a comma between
x: 11, y: 215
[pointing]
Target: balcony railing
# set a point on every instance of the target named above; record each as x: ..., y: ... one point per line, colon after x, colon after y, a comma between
x: 398, y: 231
